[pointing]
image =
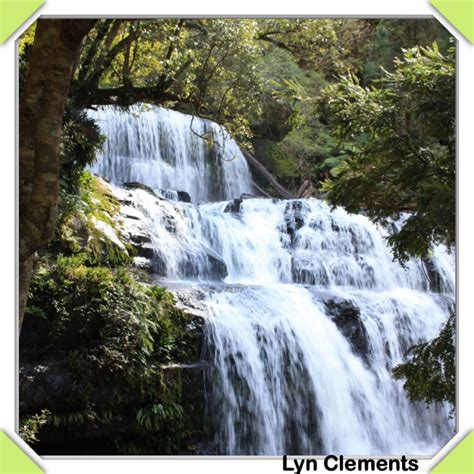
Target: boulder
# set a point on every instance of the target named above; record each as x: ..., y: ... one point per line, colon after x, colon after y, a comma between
x: 217, y: 266
x: 183, y: 196
x: 145, y: 250
x: 234, y: 206
x: 347, y: 318
x: 136, y: 185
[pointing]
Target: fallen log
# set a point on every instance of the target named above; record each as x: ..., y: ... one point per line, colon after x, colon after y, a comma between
x: 303, y: 188
x: 264, y: 173
x: 260, y: 190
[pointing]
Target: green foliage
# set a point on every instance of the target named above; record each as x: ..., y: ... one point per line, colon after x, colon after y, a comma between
x: 24, y: 43
x: 153, y: 416
x: 390, y: 37
x: 234, y: 70
x: 30, y: 426
x: 88, y: 226
x: 105, y: 320
x: 80, y: 142
x: 307, y: 152
x: 114, y: 334
x: 218, y: 68
x: 429, y: 374
x: 403, y: 134
x: 301, y: 146
x: 325, y: 45
x: 80, y: 198
x: 158, y: 418
x: 301, y: 58
x: 202, y: 66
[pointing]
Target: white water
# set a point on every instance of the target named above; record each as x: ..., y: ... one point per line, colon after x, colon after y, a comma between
x: 312, y: 315
x: 163, y: 149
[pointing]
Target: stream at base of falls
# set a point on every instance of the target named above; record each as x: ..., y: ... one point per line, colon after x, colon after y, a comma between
x: 306, y: 313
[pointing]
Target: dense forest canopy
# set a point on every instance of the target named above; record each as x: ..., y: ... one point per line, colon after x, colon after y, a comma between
x: 225, y: 68
x: 359, y: 112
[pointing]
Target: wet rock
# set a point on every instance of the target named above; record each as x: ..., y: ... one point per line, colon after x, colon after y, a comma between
x: 316, y: 224
x: 294, y: 218
x: 347, y: 318
x: 369, y: 272
x: 170, y: 224
x: 129, y: 212
x: 234, y: 206
x: 335, y: 226
x: 125, y: 202
x: 206, y: 264
x: 300, y: 274
x: 145, y: 250
x: 136, y: 185
x: 217, y: 266
x: 304, y: 273
x: 158, y: 265
x: 44, y: 384
x: 183, y: 196
x: 141, y: 241
x: 140, y: 238
x: 435, y: 281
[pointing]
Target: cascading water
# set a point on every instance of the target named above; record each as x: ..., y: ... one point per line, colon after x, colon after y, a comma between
x: 306, y: 311
x: 167, y: 150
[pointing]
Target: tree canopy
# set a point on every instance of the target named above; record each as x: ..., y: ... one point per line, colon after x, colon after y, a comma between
x: 402, y: 131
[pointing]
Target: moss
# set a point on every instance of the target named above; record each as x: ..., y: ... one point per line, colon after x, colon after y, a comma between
x: 90, y: 227
x: 98, y: 198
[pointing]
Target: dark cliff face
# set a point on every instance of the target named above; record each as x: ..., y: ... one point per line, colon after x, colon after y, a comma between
x: 51, y: 383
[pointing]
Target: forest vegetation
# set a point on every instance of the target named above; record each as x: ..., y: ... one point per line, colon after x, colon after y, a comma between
x: 359, y: 112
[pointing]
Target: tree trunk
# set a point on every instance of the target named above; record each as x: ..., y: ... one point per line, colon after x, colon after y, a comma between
x: 54, y: 54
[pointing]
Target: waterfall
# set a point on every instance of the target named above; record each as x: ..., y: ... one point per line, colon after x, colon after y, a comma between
x: 168, y: 150
x: 307, y: 312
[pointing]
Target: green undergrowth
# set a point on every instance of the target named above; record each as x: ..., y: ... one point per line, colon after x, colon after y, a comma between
x: 88, y: 226
x: 90, y: 311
